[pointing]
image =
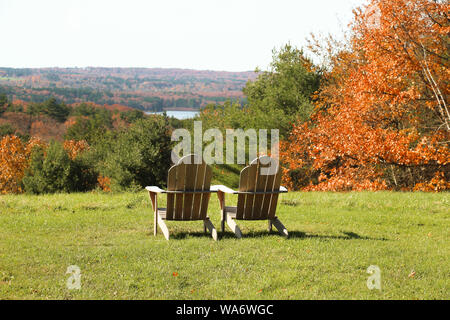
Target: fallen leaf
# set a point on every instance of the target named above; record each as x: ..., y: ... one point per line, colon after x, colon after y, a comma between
x: 175, y: 274
x: 412, y: 274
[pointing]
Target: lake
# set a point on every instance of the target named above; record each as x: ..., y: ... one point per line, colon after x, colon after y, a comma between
x: 178, y: 114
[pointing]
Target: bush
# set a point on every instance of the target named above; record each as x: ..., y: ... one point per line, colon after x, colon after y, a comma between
x: 55, y: 171
x: 55, y: 110
x: 90, y: 129
x: 3, y: 103
x: 6, y: 130
x: 140, y: 156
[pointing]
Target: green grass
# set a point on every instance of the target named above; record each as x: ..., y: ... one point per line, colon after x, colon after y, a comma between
x: 334, y: 239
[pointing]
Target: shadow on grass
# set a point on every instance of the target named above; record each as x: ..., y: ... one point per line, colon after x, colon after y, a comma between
x: 261, y: 234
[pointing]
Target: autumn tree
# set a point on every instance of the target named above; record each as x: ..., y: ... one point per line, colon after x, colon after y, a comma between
x: 14, y: 160
x: 381, y: 120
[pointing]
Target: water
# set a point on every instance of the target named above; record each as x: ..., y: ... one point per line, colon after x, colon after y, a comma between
x: 178, y: 114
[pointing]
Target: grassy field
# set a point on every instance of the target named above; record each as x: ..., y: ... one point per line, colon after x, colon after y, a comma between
x: 334, y: 239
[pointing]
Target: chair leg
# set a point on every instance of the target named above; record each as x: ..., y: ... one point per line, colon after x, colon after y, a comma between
x: 280, y: 227
x: 163, y: 227
x: 221, y: 197
x: 155, y: 223
x: 234, y: 227
x: 208, y: 224
x: 270, y: 226
x: 154, y: 199
x: 222, y: 222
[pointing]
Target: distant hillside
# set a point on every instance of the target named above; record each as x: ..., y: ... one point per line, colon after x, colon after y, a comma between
x: 140, y: 88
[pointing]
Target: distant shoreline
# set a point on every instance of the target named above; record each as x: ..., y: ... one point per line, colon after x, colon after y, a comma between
x: 181, y: 109
x: 178, y: 114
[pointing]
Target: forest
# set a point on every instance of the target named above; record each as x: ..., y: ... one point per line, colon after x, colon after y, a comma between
x: 144, y: 89
x: 372, y: 115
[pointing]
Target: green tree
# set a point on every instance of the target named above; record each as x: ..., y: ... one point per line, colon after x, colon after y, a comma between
x: 55, y: 110
x: 6, y: 130
x: 4, y: 103
x: 91, y: 128
x: 132, y: 115
x: 285, y: 91
x: 140, y: 155
x: 54, y: 171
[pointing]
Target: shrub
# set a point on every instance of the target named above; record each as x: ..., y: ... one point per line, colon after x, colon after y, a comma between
x: 6, y: 130
x: 140, y: 156
x: 14, y: 159
x: 54, y: 171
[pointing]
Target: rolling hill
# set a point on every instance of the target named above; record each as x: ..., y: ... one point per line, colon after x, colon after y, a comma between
x: 140, y: 88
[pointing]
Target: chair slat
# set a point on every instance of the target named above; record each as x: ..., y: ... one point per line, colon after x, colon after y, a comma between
x: 251, y: 186
x: 189, y: 185
x: 266, y: 199
x: 274, y: 200
x: 171, y: 186
x: 179, y: 197
x: 243, y: 181
x: 198, y: 186
x: 205, y: 196
x: 261, y: 185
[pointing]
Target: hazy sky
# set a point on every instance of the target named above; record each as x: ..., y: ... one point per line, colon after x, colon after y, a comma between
x: 232, y: 35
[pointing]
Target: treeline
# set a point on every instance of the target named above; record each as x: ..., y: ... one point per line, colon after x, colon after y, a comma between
x: 108, y: 149
x: 125, y: 158
x: 144, y: 89
x: 138, y: 101
x: 27, y: 119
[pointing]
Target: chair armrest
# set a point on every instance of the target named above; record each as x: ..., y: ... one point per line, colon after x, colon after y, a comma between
x: 221, y: 188
x: 155, y: 189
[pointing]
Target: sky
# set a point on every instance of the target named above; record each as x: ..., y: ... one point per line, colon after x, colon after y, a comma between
x: 223, y: 35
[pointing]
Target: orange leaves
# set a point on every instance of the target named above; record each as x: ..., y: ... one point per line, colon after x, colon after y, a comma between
x: 14, y: 159
x: 74, y: 148
x: 377, y: 115
x: 104, y: 183
x: 438, y: 183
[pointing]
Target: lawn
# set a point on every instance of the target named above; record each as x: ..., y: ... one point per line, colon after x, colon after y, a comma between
x: 334, y: 238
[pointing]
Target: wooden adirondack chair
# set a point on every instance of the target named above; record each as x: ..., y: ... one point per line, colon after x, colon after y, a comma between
x: 257, y: 196
x: 188, y: 192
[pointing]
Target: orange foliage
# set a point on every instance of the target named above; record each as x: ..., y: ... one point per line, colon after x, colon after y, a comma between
x: 381, y: 118
x: 438, y: 183
x: 74, y: 148
x: 14, y: 159
x: 104, y: 183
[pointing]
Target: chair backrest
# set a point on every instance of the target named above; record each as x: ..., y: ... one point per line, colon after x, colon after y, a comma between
x: 254, y: 178
x: 191, y: 173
